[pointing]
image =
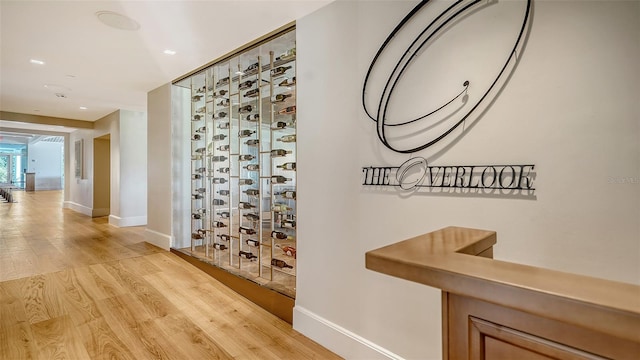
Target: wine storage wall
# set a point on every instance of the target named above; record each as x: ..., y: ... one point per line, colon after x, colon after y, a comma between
x: 243, y: 164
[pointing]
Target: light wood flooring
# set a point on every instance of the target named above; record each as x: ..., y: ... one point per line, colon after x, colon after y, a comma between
x: 73, y: 287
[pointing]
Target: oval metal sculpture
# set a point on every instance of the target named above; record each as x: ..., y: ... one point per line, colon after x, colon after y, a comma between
x: 437, y: 122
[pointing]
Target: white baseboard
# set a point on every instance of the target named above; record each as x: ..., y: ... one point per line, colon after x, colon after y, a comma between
x: 336, y: 338
x: 158, y: 239
x: 127, y: 221
x: 78, y: 208
x: 100, y: 212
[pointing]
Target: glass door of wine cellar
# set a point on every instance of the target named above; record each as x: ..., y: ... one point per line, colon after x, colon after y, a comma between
x: 242, y: 139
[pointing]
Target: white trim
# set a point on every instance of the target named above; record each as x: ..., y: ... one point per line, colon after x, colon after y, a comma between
x: 158, y: 239
x: 77, y: 207
x: 128, y: 221
x: 336, y: 338
x: 100, y: 212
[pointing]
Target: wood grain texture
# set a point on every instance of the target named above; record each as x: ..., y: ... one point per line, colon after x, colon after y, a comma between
x: 73, y: 287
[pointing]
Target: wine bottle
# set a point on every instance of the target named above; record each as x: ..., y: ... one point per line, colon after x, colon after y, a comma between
x: 200, y: 190
x: 246, y: 157
x: 245, y: 133
x: 218, y: 224
x: 221, y: 115
x: 223, y: 147
x: 289, y: 54
x: 218, y: 137
x: 287, y: 139
x: 287, y: 82
x: 223, y: 170
x: 215, y: 202
x: 290, y: 194
x: 245, y: 109
x: 245, y: 182
x: 280, y: 208
x: 245, y: 205
x: 289, y: 250
x: 200, y: 150
x: 279, y: 125
x: 252, y: 216
x: 196, y: 157
x: 253, y: 117
x: 197, y: 235
x: 223, y: 192
x: 219, y: 158
x: 247, y: 255
x: 201, y: 110
x: 279, y: 152
x: 196, y: 216
x: 196, y: 98
x: 223, y: 81
x: 288, y: 224
x: 287, y: 110
x: 196, y: 176
x: 223, y: 126
x: 280, y: 263
x: 246, y: 84
x: 252, y: 167
x: 196, y: 196
x: 223, y: 214
x: 218, y: 246
x: 279, y: 70
x: 252, y: 68
x: 196, y: 137
x: 200, y: 170
x: 278, y: 179
x: 252, y: 142
x: 224, y: 237
x: 287, y: 166
x: 252, y: 192
x: 223, y: 102
x: 218, y: 180
x: 252, y: 93
x: 282, y: 97
x: 246, y: 230
x: 196, y: 117
x: 201, y: 129
x: 279, y: 235
x: 252, y: 242
x: 219, y: 93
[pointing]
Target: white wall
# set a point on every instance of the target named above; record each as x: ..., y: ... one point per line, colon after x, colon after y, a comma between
x: 45, y: 159
x: 571, y: 108
x: 132, y: 152
x: 159, y: 174
x: 79, y: 196
x: 128, y: 181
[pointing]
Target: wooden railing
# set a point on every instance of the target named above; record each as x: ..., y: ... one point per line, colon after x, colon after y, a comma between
x: 494, y: 309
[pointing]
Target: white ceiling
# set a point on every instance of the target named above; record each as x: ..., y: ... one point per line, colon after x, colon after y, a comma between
x: 105, y: 69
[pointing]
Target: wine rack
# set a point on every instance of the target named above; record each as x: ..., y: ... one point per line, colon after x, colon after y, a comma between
x: 243, y: 164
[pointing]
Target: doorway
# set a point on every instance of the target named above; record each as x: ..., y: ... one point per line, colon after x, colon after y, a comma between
x: 101, y: 176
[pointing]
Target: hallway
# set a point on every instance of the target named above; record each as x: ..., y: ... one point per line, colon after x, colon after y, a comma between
x: 73, y: 287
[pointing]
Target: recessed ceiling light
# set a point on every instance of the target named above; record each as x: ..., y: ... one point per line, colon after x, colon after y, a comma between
x: 117, y: 21
x: 56, y: 88
x: 169, y: 52
x: 83, y: 108
x: 37, y: 62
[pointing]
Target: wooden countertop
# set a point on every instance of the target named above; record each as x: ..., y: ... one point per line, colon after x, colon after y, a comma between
x: 445, y: 259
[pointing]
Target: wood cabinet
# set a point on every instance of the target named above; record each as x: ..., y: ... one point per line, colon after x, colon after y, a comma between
x: 499, y: 310
x: 30, y: 182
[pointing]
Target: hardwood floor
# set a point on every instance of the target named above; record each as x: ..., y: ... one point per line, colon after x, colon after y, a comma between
x: 73, y: 287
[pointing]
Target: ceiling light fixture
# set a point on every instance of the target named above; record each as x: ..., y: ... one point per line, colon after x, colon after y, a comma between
x: 169, y: 52
x: 37, y: 62
x: 83, y: 108
x: 117, y: 21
